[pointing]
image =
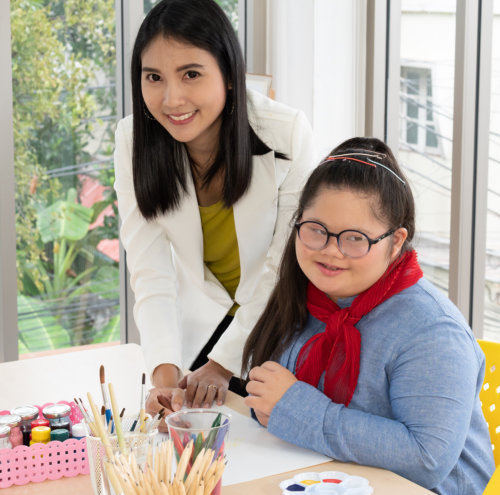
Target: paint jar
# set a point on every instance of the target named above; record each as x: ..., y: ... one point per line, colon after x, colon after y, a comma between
x: 58, y: 415
x: 5, y: 437
x: 13, y: 421
x: 40, y: 434
x: 27, y: 414
x: 61, y: 434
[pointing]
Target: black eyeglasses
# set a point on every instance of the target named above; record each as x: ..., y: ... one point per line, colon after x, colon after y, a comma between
x: 351, y: 243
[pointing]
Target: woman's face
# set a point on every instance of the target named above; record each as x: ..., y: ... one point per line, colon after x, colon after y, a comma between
x: 328, y: 269
x: 184, y: 90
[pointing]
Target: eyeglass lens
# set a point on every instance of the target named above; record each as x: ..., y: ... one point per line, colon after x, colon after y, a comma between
x: 350, y: 243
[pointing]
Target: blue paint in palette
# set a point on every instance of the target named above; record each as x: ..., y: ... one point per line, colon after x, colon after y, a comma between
x: 296, y: 488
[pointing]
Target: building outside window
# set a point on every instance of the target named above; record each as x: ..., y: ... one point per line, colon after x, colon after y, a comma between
x: 417, y: 109
x: 426, y: 126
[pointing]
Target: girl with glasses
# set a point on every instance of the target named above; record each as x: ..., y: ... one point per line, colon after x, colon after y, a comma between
x: 357, y: 355
x: 207, y: 178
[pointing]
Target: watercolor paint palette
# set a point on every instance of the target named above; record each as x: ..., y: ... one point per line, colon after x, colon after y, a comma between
x: 327, y: 482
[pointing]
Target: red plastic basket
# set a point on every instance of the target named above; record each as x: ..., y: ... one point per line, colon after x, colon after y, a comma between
x: 40, y: 462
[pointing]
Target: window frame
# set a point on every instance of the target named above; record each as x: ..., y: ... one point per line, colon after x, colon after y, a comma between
x: 473, y: 38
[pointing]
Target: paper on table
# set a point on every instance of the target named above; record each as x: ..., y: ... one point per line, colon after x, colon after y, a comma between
x: 252, y: 452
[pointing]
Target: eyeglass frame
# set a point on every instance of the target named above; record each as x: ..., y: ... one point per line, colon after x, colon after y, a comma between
x: 329, y: 234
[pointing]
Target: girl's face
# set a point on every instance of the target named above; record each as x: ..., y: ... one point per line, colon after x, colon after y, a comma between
x: 184, y: 90
x: 328, y: 269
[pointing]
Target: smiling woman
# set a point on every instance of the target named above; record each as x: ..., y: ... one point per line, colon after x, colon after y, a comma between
x: 207, y: 176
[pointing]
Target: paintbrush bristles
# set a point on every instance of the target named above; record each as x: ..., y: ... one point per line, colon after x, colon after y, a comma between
x: 101, y: 375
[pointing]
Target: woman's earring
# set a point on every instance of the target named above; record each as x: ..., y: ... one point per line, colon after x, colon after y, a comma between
x: 147, y: 113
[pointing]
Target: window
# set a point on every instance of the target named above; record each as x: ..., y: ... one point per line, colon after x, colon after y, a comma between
x: 492, y: 262
x: 64, y: 99
x: 418, y: 127
x: 426, y: 127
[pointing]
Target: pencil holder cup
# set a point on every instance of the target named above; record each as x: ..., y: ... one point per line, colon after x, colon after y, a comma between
x: 136, y: 443
x: 208, y: 428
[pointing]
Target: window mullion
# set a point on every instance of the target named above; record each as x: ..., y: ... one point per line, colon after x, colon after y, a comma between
x: 464, y: 156
x: 129, y: 15
x: 478, y: 262
x: 8, y: 278
x: 376, y: 60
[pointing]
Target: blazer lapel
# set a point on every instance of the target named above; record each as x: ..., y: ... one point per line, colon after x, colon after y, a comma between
x: 255, y: 216
x: 183, y: 228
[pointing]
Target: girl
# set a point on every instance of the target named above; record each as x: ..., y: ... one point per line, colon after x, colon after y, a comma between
x: 358, y: 356
x: 207, y: 179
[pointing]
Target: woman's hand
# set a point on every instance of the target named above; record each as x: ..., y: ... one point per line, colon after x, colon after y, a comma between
x: 165, y: 393
x: 206, y: 384
x: 268, y: 383
x: 169, y: 398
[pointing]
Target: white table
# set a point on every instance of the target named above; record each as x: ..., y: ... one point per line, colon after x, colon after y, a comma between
x: 64, y: 376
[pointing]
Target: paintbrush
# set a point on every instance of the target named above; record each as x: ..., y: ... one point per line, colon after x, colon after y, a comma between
x: 104, y: 394
x: 142, y: 413
x: 117, y: 422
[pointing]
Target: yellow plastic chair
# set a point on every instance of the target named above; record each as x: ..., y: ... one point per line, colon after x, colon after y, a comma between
x: 490, y: 394
x: 493, y: 487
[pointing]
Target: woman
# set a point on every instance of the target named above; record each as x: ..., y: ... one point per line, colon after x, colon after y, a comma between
x: 357, y: 356
x: 207, y: 178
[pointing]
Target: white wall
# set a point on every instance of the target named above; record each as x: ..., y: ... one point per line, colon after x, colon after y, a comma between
x: 313, y: 54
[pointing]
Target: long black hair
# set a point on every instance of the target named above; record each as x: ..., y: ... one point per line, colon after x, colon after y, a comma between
x: 286, y: 314
x: 160, y: 174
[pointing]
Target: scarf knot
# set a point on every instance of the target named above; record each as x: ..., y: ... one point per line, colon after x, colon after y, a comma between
x: 336, y: 351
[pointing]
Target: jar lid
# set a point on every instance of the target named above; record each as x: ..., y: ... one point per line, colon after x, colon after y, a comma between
x: 40, y: 433
x: 4, y: 431
x: 11, y: 420
x: 40, y: 422
x: 56, y: 411
x: 26, y: 412
x: 78, y: 430
x: 60, y: 434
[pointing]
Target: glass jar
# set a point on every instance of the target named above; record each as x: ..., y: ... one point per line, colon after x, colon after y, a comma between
x: 58, y: 415
x: 27, y: 414
x: 13, y: 421
x: 40, y: 434
x: 5, y: 437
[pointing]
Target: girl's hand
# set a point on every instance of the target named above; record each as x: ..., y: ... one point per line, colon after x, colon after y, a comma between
x: 206, y: 384
x: 169, y: 398
x: 267, y: 385
x: 261, y: 417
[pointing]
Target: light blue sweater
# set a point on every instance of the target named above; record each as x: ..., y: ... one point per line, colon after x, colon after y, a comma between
x: 415, y: 410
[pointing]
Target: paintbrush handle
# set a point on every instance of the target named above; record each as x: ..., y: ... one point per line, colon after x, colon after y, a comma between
x: 117, y: 422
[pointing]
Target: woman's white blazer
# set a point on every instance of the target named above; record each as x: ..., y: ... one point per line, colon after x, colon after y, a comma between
x: 178, y: 301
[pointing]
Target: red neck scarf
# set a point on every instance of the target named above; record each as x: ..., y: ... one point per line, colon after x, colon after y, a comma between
x: 336, y: 351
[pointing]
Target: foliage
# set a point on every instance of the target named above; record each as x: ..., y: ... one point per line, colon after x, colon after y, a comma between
x: 63, y: 56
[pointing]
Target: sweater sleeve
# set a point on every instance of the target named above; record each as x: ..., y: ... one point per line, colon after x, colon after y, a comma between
x: 432, y: 388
